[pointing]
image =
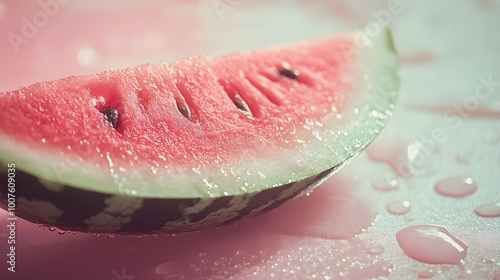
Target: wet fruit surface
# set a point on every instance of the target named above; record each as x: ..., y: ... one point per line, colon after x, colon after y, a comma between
x: 354, y: 238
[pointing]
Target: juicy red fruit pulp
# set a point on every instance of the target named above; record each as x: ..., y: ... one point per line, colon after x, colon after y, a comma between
x: 150, y: 109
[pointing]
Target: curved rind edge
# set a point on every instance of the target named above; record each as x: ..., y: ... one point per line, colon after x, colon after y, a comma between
x: 48, y: 204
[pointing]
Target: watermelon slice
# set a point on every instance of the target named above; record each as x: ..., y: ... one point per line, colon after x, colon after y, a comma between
x: 195, y: 144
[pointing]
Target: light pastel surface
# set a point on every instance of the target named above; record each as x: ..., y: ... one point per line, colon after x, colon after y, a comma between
x: 446, y: 125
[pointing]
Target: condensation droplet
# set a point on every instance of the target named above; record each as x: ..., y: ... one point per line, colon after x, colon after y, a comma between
x: 426, y: 273
x: 171, y: 270
x: 60, y: 231
x: 431, y: 244
x: 456, y: 186
x: 493, y: 138
x: 398, y: 207
x: 490, y: 210
x: 385, y: 185
x: 375, y: 248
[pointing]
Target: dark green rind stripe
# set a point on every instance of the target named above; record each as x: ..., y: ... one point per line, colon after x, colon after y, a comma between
x: 86, y: 211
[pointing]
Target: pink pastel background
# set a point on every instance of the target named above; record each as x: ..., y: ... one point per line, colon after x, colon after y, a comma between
x: 344, y: 229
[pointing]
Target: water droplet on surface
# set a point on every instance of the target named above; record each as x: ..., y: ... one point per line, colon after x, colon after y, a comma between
x: 493, y: 138
x: 375, y: 248
x: 172, y: 270
x: 405, y: 159
x: 385, y: 185
x: 60, y: 231
x: 426, y: 273
x: 398, y: 207
x: 490, y: 210
x: 431, y: 244
x: 456, y: 186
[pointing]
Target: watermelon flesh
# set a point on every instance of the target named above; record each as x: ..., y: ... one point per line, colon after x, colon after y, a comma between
x: 217, y: 131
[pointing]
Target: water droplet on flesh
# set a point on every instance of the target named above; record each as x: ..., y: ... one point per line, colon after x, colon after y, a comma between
x: 398, y: 207
x: 489, y: 210
x: 431, y: 244
x: 456, y: 186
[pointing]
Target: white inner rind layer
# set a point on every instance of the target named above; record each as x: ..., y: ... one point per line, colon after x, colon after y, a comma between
x: 375, y: 83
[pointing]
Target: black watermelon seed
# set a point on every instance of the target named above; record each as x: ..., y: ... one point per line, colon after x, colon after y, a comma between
x: 242, y: 105
x: 184, y: 110
x: 112, y: 116
x: 289, y: 73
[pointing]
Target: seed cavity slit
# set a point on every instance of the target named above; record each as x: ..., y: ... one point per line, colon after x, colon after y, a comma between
x: 182, y: 102
x: 235, y: 97
x: 272, y: 77
x: 269, y: 94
